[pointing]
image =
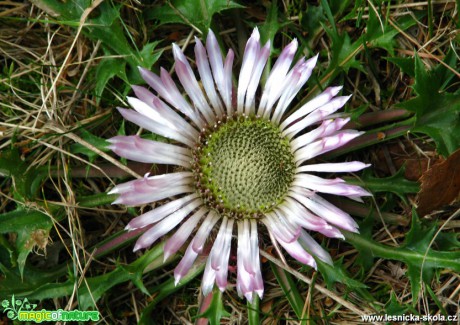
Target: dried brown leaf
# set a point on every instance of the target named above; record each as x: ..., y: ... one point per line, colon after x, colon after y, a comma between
x: 440, y: 185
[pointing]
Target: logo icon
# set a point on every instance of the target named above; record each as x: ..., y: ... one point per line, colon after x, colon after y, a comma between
x: 13, y: 307
x: 24, y: 311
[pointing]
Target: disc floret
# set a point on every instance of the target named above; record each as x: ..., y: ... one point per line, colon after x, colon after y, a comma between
x: 243, y: 166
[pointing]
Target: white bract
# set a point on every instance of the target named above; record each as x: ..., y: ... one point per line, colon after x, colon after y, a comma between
x: 241, y: 159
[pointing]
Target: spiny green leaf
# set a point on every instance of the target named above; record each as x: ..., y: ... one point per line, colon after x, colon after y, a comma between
x: 268, y: 30
x: 397, y: 183
x: 344, y: 51
x: 32, y: 229
x: 407, y: 65
x: 355, y: 13
x: 337, y: 273
x: 96, y: 200
x: 417, y: 275
x: 30, y: 279
x: 104, y: 25
x: 26, y: 181
x: 11, y: 165
x: 315, y: 17
x: 419, y: 236
x: 338, y: 7
x: 415, y: 252
x: 31, y: 225
x: 329, y: 15
x: 437, y: 111
x: 418, y: 239
x: 196, y: 13
x: 312, y: 19
x: 365, y: 230
x: 272, y: 23
x: 147, y: 56
x: 393, y: 307
x: 379, y: 33
x: 93, y: 288
x: 167, y: 288
x: 431, y: 258
x: 106, y: 70
x: 98, y: 142
x: 448, y: 241
x: 289, y: 288
x: 110, y: 67
x: 216, y: 309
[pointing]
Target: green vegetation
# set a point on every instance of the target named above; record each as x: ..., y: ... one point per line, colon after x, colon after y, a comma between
x: 66, y: 66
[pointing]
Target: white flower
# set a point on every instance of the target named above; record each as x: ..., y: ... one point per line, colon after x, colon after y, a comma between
x: 241, y: 160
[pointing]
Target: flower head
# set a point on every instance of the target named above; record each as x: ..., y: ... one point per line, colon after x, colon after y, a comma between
x: 241, y: 161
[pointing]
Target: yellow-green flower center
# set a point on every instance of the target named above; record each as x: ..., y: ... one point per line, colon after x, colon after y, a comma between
x: 244, y: 167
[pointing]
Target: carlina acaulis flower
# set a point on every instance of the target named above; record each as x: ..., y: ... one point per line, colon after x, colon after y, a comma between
x: 241, y: 161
